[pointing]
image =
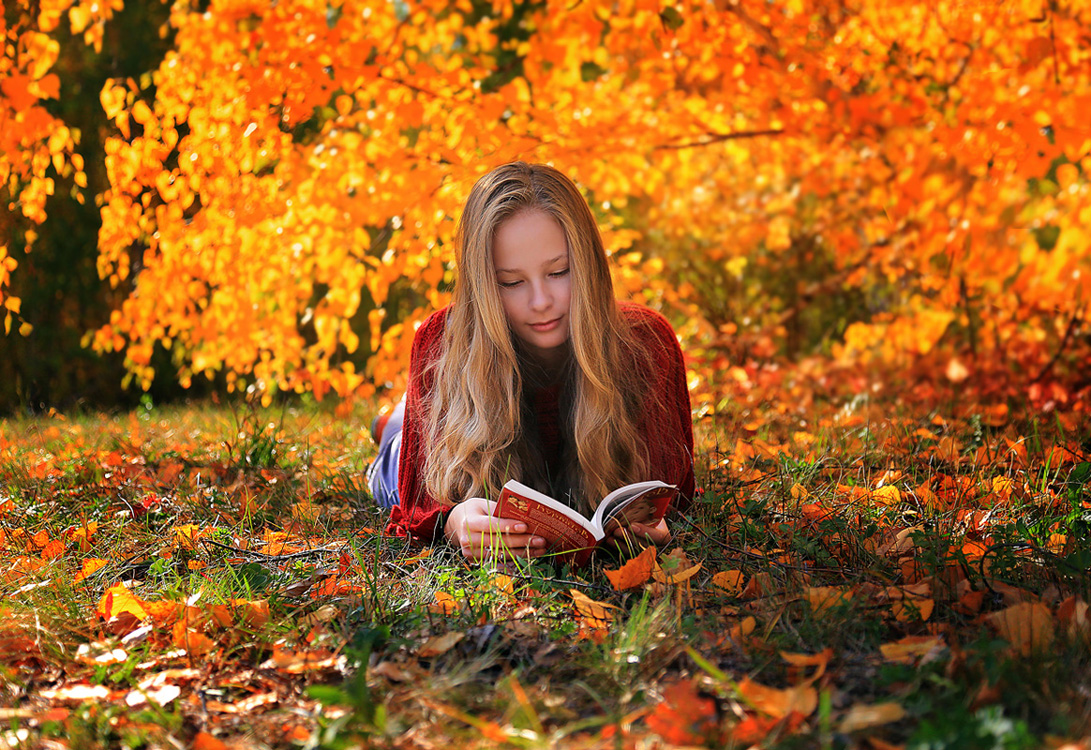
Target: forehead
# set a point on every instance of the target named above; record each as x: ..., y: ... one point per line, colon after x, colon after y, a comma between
x: 528, y: 240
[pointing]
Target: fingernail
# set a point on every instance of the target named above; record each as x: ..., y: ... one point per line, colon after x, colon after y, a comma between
x: 519, y: 528
x: 538, y: 541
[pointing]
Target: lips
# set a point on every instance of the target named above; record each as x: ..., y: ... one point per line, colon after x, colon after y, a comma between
x: 548, y: 325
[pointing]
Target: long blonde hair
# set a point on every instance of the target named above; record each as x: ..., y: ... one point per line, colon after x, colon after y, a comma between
x: 477, y: 425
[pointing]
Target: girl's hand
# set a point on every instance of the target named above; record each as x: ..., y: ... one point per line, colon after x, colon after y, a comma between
x: 658, y: 534
x: 473, y: 529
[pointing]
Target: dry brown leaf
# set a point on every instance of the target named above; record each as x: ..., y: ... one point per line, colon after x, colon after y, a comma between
x: 390, y: 671
x: 1073, y: 615
x: 1027, y: 626
x: 633, y: 573
x: 862, y: 716
x: 439, y: 644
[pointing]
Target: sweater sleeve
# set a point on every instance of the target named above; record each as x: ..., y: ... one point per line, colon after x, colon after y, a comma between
x: 417, y: 513
x: 668, y: 424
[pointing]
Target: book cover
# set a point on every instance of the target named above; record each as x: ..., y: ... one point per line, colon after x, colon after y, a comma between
x: 568, y: 531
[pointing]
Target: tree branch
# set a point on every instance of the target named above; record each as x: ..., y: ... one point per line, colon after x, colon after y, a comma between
x: 720, y: 137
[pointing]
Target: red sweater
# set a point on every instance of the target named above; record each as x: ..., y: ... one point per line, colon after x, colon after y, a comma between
x: 418, y: 514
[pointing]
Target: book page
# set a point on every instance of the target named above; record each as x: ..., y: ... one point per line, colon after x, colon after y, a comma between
x: 642, y: 502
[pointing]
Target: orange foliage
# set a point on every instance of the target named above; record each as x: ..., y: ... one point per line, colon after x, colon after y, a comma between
x: 284, y: 190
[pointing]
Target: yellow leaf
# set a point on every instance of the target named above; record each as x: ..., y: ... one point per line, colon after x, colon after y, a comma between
x: 119, y: 600
x: 887, y: 495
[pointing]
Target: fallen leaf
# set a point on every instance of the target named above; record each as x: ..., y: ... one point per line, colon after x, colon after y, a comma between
x: 591, y: 609
x: 299, y: 662
x: 822, y: 598
x: 1027, y: 626
x: 439, y: 644
x: 684, y: 717
x: 118, y: 600
x: 193, y: 641
x: 798, y: 661
x: 444, y: 604
x: 90, y: 565
x: 759, y: 585
x: 633, y: 573
x: 205, y: 741
x: 775, y: 702
x: 867, y: 716
x: 680, y: 576
x: 729, y: 581
x: 913, y: 649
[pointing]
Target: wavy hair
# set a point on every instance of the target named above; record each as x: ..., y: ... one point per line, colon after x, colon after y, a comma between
x: 477, y: 426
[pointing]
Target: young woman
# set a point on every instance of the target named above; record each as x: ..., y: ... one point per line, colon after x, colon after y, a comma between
x: 534, y: 372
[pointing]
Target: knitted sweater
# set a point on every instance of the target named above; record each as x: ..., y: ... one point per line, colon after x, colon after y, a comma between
x: 668, y: 431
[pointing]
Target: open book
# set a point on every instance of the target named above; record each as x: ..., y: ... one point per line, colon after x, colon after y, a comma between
x: 569, y: 531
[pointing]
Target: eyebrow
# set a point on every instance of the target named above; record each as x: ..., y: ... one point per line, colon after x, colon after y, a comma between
x: 551, y: 261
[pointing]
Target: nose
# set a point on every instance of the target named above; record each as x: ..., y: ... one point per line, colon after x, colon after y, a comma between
x: 540, y: 297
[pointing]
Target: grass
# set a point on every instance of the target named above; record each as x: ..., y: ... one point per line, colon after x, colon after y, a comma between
x: 269, y: 610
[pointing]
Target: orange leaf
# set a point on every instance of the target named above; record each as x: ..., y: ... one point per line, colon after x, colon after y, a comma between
x: 802, y: 699
x: 633, y: 573
x: 53, y: 550
x: 819, y: 661
x: 822, y: 598
x: 205, y: 741
x: 90, y: 565
x: 596, y: 612
x: 444, y: 604
x: 684, y: 717
x: 191, y: 640
x: 730, y: 581
x: 912, y: 648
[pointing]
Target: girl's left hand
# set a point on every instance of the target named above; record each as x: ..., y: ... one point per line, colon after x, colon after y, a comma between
x: 658, y: 534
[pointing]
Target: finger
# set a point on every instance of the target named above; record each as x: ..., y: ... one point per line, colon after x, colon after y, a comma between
x: 482, y: 551
x: 503, y: 541
x: 491, y: 525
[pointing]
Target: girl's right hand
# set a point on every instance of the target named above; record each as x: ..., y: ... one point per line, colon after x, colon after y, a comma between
x: 480, y: 536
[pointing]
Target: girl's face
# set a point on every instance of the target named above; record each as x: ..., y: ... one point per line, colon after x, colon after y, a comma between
x: 530, y: 255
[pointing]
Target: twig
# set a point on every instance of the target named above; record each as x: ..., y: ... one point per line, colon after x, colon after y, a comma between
x: 272, y: 558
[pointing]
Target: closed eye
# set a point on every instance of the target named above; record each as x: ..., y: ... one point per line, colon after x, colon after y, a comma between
x: 509, y: 284
x: 558, y: 274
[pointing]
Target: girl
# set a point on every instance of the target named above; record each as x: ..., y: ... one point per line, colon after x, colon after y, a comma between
x: 534, y: 372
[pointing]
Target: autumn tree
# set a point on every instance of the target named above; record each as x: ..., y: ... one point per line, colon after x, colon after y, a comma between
x: 889, y: 183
